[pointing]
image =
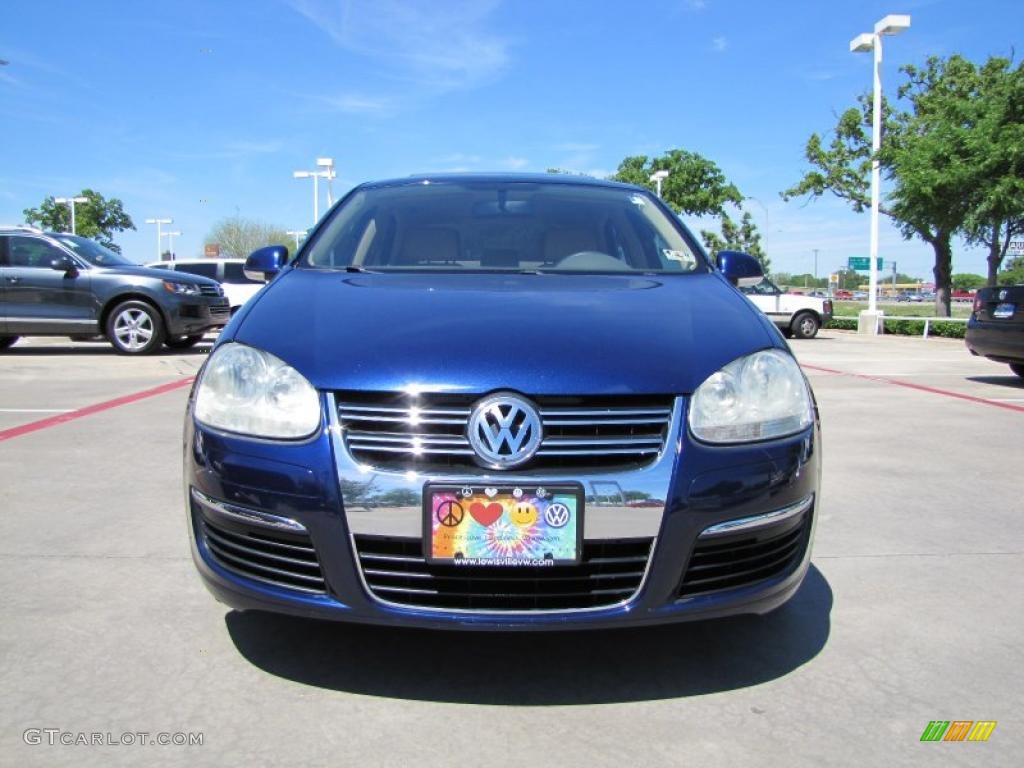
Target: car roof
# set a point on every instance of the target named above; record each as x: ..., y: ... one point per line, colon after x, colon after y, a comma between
x: 568, y: 179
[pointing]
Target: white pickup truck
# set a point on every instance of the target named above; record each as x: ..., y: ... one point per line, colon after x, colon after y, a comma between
x: 795, y: 314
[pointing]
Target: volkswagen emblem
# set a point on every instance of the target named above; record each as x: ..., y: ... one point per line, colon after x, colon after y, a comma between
x: 504, y: 431
x: 1002, y: 295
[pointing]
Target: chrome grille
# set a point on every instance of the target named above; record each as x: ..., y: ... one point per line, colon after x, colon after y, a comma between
x: 610, y: 572
x: 283, y: 559
x: 428, y: 432
x: 211, y: 290
x: 742, y: 559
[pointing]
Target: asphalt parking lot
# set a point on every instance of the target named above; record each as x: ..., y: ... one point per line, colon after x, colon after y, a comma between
x: 911, y: 612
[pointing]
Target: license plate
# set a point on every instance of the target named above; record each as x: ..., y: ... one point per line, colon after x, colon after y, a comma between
x: 1003, y: 311
x: 503, y: 525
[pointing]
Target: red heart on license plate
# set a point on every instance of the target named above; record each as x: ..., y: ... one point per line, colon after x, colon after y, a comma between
x: 485, y: 514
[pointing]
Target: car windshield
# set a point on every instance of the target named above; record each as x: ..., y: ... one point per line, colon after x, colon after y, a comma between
x: 94, y: 253
x: 503, y: 226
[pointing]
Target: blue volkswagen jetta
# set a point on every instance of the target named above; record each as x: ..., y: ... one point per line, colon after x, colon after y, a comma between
x: 502, y: 402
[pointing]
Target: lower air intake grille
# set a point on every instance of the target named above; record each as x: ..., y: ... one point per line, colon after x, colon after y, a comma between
x: 283, y: 559
x: 728, y: 562
x: 610, y: 572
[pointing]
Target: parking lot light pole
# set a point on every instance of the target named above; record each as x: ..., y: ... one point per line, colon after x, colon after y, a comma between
x: 316, y: 191
x: 657, y: 177
x: 892, y: 24
x: 170, y: 241
x: 159, y: 237
x: 327, y: 163
x: 70, y: 202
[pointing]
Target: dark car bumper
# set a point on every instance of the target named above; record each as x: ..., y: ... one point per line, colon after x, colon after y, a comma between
x: 244, y: 499
x: 188, y: 315
x: 999, y: 341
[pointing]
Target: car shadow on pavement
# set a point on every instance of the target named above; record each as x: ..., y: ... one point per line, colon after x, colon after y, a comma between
x: 1011, y: 380
x: 541, y: 668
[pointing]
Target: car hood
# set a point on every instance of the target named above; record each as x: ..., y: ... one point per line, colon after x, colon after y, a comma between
x: 534, y: 333
x: 155, y: 274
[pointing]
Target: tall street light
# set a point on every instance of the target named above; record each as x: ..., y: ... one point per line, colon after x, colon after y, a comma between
x: 170, y: 241
x: 159, y: 237
x: 892, y: 24
x: 327, y: 163
x: 657, y: 177
x: 70, y: 202
x: 316, y: 191
x: 297, y: 234
x: 327, y: 173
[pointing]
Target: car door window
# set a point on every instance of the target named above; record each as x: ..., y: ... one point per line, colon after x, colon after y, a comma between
x: 234, y: 275
x: 31, y: 252
x: 203, y: 270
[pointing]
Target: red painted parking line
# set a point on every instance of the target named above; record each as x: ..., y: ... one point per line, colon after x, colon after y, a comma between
x: 920, y: 387
x: 88, y: 410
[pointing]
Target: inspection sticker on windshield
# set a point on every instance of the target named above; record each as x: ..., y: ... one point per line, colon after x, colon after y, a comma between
x: 685, y: 259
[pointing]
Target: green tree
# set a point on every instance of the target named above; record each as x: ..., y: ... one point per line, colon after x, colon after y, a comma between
x: 695, y: 186
x: 967, y: 281
x: 1013, y: 272
x: 238, y: 236
x: 98, y: 218
x: 942, y: 166
x: 742, y: 236
x: 997, y: 206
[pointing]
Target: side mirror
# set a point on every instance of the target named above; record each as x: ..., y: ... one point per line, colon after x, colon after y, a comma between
x: 64, y: 264
x: 740, y: 269
x: 264, y: 263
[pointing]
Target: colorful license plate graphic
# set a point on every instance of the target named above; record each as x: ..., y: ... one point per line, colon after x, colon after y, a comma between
x: 503, y: 525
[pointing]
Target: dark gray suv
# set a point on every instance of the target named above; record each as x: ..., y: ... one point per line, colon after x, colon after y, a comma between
x: 54, y: 284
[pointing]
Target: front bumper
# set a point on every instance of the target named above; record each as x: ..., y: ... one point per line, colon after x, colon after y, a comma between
x: 237, y: 488
x: 189, y: 315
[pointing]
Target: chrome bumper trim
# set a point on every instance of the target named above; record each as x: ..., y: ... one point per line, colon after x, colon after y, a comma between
x: 249, y: 516
x: 753, y: 522
x: 618, y: 504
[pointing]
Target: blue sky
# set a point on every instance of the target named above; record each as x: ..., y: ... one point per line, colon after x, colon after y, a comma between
x: 198, y: 110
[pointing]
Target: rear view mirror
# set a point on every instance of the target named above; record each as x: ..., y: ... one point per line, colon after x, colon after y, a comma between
x: 264, y: 263
x: 740, y: 269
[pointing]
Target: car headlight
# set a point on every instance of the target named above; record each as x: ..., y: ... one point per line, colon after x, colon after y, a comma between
x: 758, y: 397
x: 190, y: 289
x: 251, y: 392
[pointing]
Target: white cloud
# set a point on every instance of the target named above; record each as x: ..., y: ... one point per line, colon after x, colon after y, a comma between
x: 515, y: 163
x: 576, y: 146
x: 719, y: 44
x: 696, y: 5
x: 357, y: 104
x: 458, y: 158
x: 440, y: 46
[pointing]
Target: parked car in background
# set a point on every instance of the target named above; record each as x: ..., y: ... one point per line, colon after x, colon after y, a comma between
x: 56, y: 284
x: 842, y: 295
x: 438, y: 414
x: 228, y: 272
x: 795, y: 314
x: 909, y: 296
x: 859, y: 296
x: 996, y: 327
